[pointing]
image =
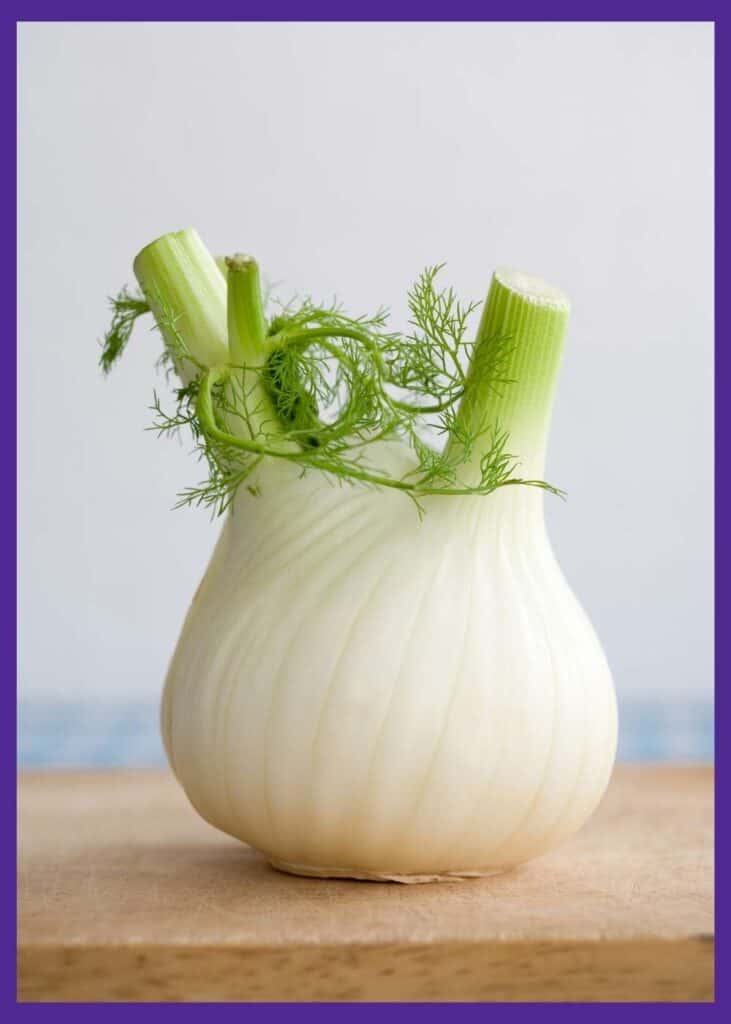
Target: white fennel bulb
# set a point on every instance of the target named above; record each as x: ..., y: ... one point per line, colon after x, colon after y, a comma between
x: 359, y: 690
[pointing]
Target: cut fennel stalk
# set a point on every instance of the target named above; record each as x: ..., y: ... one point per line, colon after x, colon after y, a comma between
x: 358, y: 690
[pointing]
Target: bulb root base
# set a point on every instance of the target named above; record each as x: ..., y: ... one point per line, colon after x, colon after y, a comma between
x: 315, y: 871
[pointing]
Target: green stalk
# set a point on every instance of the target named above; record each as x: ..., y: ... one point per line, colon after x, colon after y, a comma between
x: 522, y: 333
x: 187, y: 295
x: 249, y: 349
x: 246, y: 324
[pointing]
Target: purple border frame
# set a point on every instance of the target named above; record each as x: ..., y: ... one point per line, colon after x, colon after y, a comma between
x: 329, y: 10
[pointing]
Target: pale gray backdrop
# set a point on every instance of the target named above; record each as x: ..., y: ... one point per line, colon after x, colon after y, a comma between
x: 346, y: 157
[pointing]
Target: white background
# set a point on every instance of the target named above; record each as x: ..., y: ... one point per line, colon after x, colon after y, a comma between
x: 347, y: 157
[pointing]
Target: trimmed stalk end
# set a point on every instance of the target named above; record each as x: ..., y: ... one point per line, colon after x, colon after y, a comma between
x: 187, y: 294
x: 533, y: 289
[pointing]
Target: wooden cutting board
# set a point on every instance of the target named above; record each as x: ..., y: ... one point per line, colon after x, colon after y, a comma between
x: 125, y: 895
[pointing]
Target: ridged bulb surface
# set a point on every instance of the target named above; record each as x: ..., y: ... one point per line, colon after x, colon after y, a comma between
x: 359, y: 692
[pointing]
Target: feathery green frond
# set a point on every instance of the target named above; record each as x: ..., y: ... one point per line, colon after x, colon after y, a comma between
x: 126, y: 309
x: 331, y: 387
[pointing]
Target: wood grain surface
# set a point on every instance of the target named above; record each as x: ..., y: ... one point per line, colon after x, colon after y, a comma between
x: 125, y: 895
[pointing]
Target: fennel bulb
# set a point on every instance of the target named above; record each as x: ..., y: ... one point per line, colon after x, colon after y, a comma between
x: 360, y: 690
